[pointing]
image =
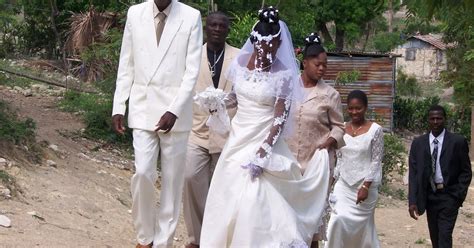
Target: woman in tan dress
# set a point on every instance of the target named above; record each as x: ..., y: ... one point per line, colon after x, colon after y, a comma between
x: 319, y: 121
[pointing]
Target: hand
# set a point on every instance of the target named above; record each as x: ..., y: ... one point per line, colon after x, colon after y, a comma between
x: 166, y: 122
x: 362, y: 195
x: 254, y: 170
x: 117, y: 124
x: 413, y: 210
x: 329, y: 144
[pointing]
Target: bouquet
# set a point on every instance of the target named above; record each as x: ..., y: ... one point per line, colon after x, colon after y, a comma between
x: 212, y: 100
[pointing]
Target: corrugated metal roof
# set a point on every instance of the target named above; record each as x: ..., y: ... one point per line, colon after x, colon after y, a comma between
x: 362, y: 54
x: 432, y: 39
x: 376, y: 80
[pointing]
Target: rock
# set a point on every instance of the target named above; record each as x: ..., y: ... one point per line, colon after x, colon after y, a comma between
x: 17, y: 88
x: 51, y: 163
x: 54, y: 147
x: 5, y: 221
x: 27, y: 92
x: 3, y: 163
x: 5, y: 192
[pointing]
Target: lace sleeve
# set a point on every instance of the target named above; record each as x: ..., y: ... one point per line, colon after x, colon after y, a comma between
x: 281, y: 113
x: 375, y: 170
x: 230, y: 100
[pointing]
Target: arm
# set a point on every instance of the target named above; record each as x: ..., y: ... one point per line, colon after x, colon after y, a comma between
x: 230, y: 100
x: 465, y: 175
x: 336, y: 121
x: 125, y: 73
x: 282, y: 107
x: 412, y: 182
x: 375, y: 168
x: 193, y: 61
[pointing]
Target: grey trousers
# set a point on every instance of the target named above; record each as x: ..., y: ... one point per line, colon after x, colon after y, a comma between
x: 198, y: 172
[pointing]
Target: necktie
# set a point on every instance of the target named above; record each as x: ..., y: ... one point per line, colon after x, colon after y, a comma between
x: 434, y: 157
x: 161, y: 25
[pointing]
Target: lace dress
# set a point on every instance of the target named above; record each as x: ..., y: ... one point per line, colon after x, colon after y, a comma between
x: 282, y: 207
x: 351, y: 224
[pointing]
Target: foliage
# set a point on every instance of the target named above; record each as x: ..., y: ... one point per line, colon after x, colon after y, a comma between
x: 393, y: 157
x: 348, y: 16
x: 412, y: 114
x: 14, y: 130
x: 96, y: 111
x: 385, y: 41
x: 407, y: 85
x: 240, y: 29
x: 347, y: 77
x: 457, y: 26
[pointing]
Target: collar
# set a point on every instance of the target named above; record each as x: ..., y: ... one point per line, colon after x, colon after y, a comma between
x: 439, y: 138
x: 166, y: 11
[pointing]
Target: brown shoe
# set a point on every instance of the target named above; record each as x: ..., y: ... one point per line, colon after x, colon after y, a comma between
x: 144, y: 246
x: 191, y: 245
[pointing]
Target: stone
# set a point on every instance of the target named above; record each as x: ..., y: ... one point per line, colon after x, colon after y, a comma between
x: 51, y: 163
x: 3, y: 163
x: 54, y: 147
x: 5, y: 192
x: 27, y: 92
x: 5, y: 221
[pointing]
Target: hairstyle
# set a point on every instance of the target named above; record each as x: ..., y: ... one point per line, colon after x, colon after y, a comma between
x: 437, y: 107
x: 267, y: 24
x: 221, y: 14
x: 359, y: 95
x: 312, y: 46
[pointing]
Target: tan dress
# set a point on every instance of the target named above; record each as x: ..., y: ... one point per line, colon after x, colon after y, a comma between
x: 316, y: 119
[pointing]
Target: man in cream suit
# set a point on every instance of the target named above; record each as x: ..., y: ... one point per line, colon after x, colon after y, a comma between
x: 205, y: 146
x: 159, y: 65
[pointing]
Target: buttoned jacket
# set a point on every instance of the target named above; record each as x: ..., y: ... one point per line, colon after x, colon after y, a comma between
x: 158, y: 78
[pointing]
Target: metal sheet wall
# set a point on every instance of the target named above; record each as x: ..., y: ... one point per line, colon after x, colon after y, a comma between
x: 377, y: 80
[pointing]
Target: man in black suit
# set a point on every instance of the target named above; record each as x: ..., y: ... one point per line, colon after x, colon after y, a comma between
x: 440, y: 174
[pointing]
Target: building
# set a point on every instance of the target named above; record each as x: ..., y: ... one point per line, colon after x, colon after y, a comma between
x: 423, y: 56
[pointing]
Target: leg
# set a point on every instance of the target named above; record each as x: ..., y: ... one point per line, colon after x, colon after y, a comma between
x: 145, y: 145
x: 196, y: 186
x: 432, y: 217
x: 173, y: 159
x: 446, y: 221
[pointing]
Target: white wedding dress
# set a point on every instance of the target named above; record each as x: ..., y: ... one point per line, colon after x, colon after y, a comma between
x: 280, y: 208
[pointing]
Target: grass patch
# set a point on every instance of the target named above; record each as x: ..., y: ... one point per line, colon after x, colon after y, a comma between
x: 399, y: 194
x: 14, y: 130
x: 420, y: 241
x: 96, y: 111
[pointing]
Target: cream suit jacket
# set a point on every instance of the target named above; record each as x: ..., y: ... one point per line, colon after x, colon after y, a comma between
x: 200, y: 134
x: 156, y: 79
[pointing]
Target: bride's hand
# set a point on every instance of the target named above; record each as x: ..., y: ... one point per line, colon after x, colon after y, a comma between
x: 362, y: 195
x: 254, y: 170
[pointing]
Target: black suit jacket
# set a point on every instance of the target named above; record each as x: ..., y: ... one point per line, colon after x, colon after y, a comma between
x: 455, y: 167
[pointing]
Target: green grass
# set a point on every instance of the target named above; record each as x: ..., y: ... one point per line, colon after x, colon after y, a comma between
x: 420, y: 241
x: 14, y: 130
x: 96, y: 111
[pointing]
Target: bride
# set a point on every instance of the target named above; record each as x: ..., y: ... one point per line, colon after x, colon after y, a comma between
x: 259, y: 195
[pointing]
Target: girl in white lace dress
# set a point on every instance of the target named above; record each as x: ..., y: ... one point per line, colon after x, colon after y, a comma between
x: 259, y: 196
x: 359, y: 173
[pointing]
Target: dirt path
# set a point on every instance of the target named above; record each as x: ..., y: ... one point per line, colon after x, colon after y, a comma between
x: 85, y: 201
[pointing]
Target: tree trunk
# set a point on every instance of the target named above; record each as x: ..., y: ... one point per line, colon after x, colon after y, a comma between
x: 54, y: 13
x: 390, y: 16
x: 325, y: 33
x: 367, y: 34
x: 339, y: 39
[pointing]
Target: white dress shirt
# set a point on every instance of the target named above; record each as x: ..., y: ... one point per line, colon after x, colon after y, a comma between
x: 438, y: 175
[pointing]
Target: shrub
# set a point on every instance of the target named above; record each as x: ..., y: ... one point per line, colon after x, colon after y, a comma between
x: 240, y: 29
x: 96, y: 111
x: 14, y: 130
x: 385, y: 42
x: 407, y: 85
x: 394, y: 156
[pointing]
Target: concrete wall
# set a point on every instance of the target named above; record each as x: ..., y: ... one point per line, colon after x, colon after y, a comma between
x: 429, y: 62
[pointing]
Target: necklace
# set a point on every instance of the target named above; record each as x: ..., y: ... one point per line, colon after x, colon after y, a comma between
x: 263, y: 68
x: 212, y: 67
x: 354, y: 131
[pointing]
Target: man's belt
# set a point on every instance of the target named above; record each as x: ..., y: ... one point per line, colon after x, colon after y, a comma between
x: 439, y: 186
